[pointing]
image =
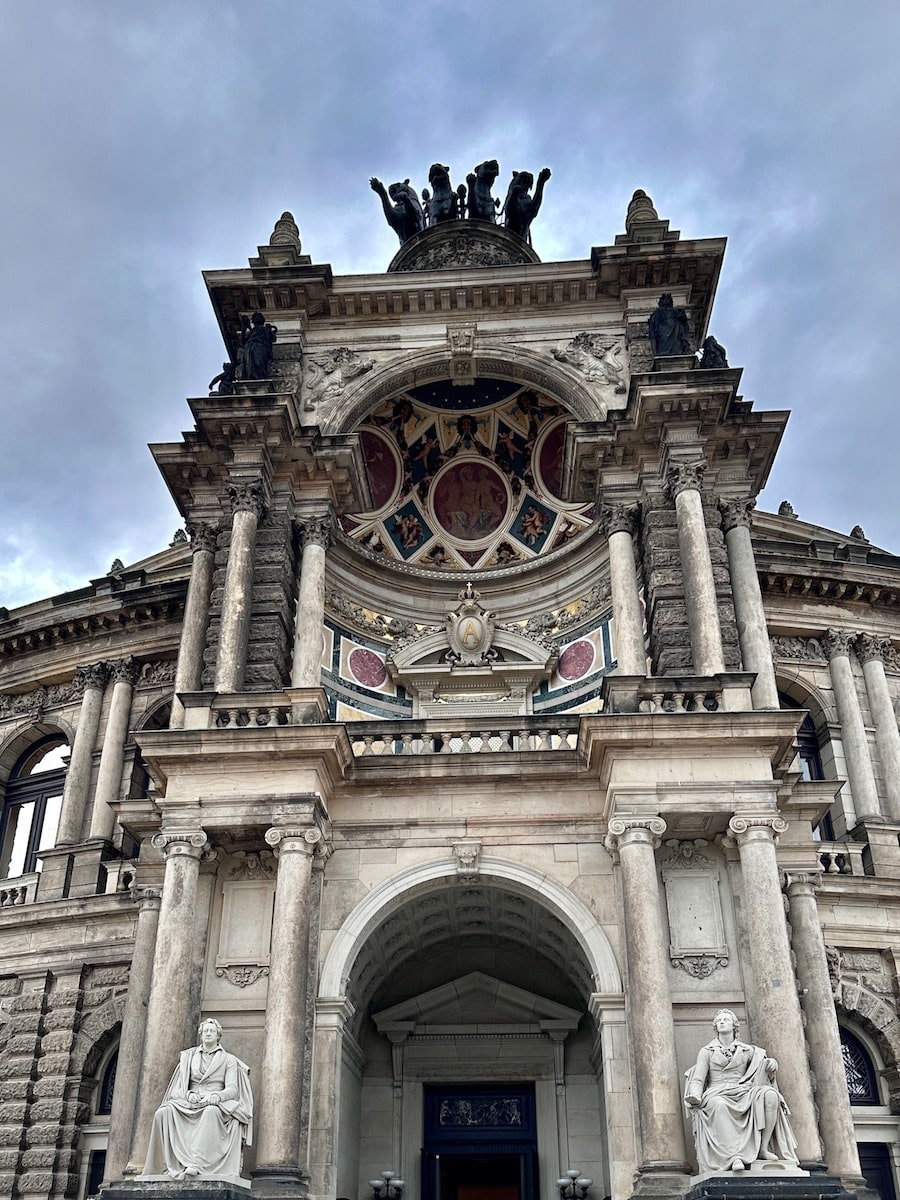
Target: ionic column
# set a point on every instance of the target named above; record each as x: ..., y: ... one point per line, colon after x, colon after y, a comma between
x: 247, y: 508
x: 189, y: 669
x: 776, y: 1006
x: 684, y: 481
x: 753, y: 633
x: 112, y: 756
x: 78, y: 776
x: 134, y: 1024
x: 822, y: 1034
x: 618, y: 521
x: 278, y: 1145
x: 649, y: 1002
x: 853, y: 732
x: 167, y: 1005
x: 315, y: 533
x: 871, y: 652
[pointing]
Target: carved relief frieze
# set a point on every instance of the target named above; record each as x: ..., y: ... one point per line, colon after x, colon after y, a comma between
x: 242, y: 976
x: 33, y: 703
x: 799, y: 648
x: 156, y: 674
x: 390, y: 628
x: 327, y: 375
x: 599, y: 359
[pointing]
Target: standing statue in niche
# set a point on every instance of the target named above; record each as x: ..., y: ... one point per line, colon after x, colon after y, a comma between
x: 206, y: 1116
x: 404, y: 215
x: 668, y: 329
x: 482, y: 205
x: 257, y: 340
x: 738, y: 1113
x: 521, y: 207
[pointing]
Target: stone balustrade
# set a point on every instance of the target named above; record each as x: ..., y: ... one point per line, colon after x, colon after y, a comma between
x: 381, y: 739
x: 21, y: 890
x: 842, y: 858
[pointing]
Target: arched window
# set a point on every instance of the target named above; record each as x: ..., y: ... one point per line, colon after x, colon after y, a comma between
x: 809, y: 753
x: 32, y: 805
x: 862, y: 1082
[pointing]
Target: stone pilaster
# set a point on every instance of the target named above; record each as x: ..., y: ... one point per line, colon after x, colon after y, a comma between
x: 78, y: 777
x: 247, y: 503
x: 112, y: 756
x: 837, y: 644
x: 315, y: 534
x: 332, y: 1015
x: 822, y: 1034
x: 189, y: 669
x: 753, y: 632
x: 871, y: 651
x: 618, y: 523
x: 169, y: 997
x: 778, y: 1022
x: 684, y: 482
x: 662, y: 1150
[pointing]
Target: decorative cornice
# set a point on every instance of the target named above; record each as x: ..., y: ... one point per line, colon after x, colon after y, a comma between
x: 93, y: 676
x: 184, y: 843
x: 203, y: 536
x: 684, y: 477
x: 737, y: 512
x: 125, y: 670
x: 315, y: 531
x: 869, y: 646
x: 836, y: 643
x: 618, y: 518
x: 246, y: 497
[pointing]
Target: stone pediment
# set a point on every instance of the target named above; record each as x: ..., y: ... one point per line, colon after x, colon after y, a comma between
x: 477, y: 1001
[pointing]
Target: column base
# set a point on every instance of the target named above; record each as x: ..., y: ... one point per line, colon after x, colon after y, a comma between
x: 761, y: 1185
x: 662, y: 1180
x: 172, y: 1189
x: 280, y: 1183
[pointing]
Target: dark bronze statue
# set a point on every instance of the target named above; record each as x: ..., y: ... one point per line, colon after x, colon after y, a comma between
x: 712, y: 355
x: 443, y: 202
x: 404, y: 215
x: 668, y: 329
x: 482, y: 205
x: 225, y: 380
x: 257, y: 340
x: 521, y: 207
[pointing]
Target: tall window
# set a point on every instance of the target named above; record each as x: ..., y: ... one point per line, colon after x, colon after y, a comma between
x: 32, y: 805
x: 858, y: 1069
x: 809, y: 752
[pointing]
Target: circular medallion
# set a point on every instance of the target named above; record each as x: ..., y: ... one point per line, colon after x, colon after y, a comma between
x: 550, y: 459
x: 576, y: 660
x: 470, y: 500
x: 381, y: 466
x: 367, y: 668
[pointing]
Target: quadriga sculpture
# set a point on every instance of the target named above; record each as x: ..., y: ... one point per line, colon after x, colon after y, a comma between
x: 404, y: 215
x: 521, y: 207
x: 482, y: 205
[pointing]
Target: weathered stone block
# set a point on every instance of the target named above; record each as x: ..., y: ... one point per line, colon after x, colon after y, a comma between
x: 13, y: 1112
x: 33, y: 1159
x: 23, y: 1044
x: 36, y: 1181
x: 47, y: 1109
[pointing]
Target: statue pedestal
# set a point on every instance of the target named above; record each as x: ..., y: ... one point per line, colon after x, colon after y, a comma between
x: 762, y: 1185
x: 173, y: 1189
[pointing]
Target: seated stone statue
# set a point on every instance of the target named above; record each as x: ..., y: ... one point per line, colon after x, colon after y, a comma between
x: 206, y: 1115
x: 738, y: 1113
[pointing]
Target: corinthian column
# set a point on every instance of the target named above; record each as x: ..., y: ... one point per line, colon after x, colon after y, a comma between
x: 78, y: 776
x: 618, y: 522
x: 753, y: 633
x: 822, y: 1034
x: 684, y: 481
x: 776, y: 1006
x: 315, y: 533
x: 189, y: 669
x: 247, y: 508
x: 871, y: 652
x: 112, y: 756
x: 167, y: 1006
x: 649, y: 1002
x: 853, y: 732
x: 279, y: 1171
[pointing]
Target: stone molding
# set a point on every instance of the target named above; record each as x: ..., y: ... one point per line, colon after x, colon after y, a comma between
x: 737, y: 512
x: 246, y: 497
x: 203, y: 536
x: 752, y: 828
x: 315, y: 530
x: 93, y: 676
x: 836, y: 643
x: 184, y: 843
x: 625, y: 830
x: 684, y: 477
x: 305, y: 840
x: 125, y: 670
x: 242, y: 976
x: 618, y: 518
x: 869, y: 647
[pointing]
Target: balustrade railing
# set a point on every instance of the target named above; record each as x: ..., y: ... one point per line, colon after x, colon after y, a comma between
x: 376, y: 739
x: 842, y: 858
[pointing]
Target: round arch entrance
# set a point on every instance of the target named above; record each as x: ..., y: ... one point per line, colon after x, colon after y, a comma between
x: 454, y: 1040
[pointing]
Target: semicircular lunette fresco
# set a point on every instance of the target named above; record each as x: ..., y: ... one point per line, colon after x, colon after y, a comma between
x: 466, y: 478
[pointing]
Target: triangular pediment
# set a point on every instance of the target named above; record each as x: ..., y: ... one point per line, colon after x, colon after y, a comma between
x: 478, y: 1000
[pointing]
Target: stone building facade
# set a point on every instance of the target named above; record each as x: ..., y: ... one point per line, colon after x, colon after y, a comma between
x: 478, y: 741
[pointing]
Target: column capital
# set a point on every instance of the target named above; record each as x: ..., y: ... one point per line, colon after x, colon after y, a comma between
x: 146, y: 897
x: 246, y: 496
x: 625, y: 831
x: 303, y: 840
x: 869, y: 646
x: 125, y: 670
x: 315, y: 530
x: 837, y: 643
x: 737, y: 512
x: 183, y: 843
x: 685, y: 476
x: 618, y: 518
x: 802, y: 882
x: 203, y: 535
x: 93, y: 676
x: 761, y: 828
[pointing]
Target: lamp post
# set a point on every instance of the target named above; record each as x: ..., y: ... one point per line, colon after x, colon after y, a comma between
x: 388, y: 1187
x: 573, y: 1186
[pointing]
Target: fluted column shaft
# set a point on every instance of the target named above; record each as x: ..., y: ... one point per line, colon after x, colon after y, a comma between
x: 776, y: 1005
x: 306, y: 668
x: 649, y: 1001
x: 131, y: 1043
x: 78, y: 776
x: 618, y: 525
x: 167, y: 1006
x: 684, y: 482
x: 853, y: 731
x: 278, y: 1145
x: 753, y: 632
x: 189, y: 669
x: 822, y: 1034
x: 871, y: 651
x: 112, y: 756
x: 234, y: 631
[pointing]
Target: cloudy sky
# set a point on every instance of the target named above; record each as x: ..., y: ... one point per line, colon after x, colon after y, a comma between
x: 144, y: 142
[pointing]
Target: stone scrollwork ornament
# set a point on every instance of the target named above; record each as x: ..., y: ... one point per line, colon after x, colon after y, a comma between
x: 600, y: 360
x: 470, y: 629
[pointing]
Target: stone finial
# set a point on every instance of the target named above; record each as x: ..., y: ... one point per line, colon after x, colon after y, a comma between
x: 859, y: 533
x: 180, y: 538
x: 286, y: 232
x: 786, y: 509
x: 640, y: 209
x: 117, y: 565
